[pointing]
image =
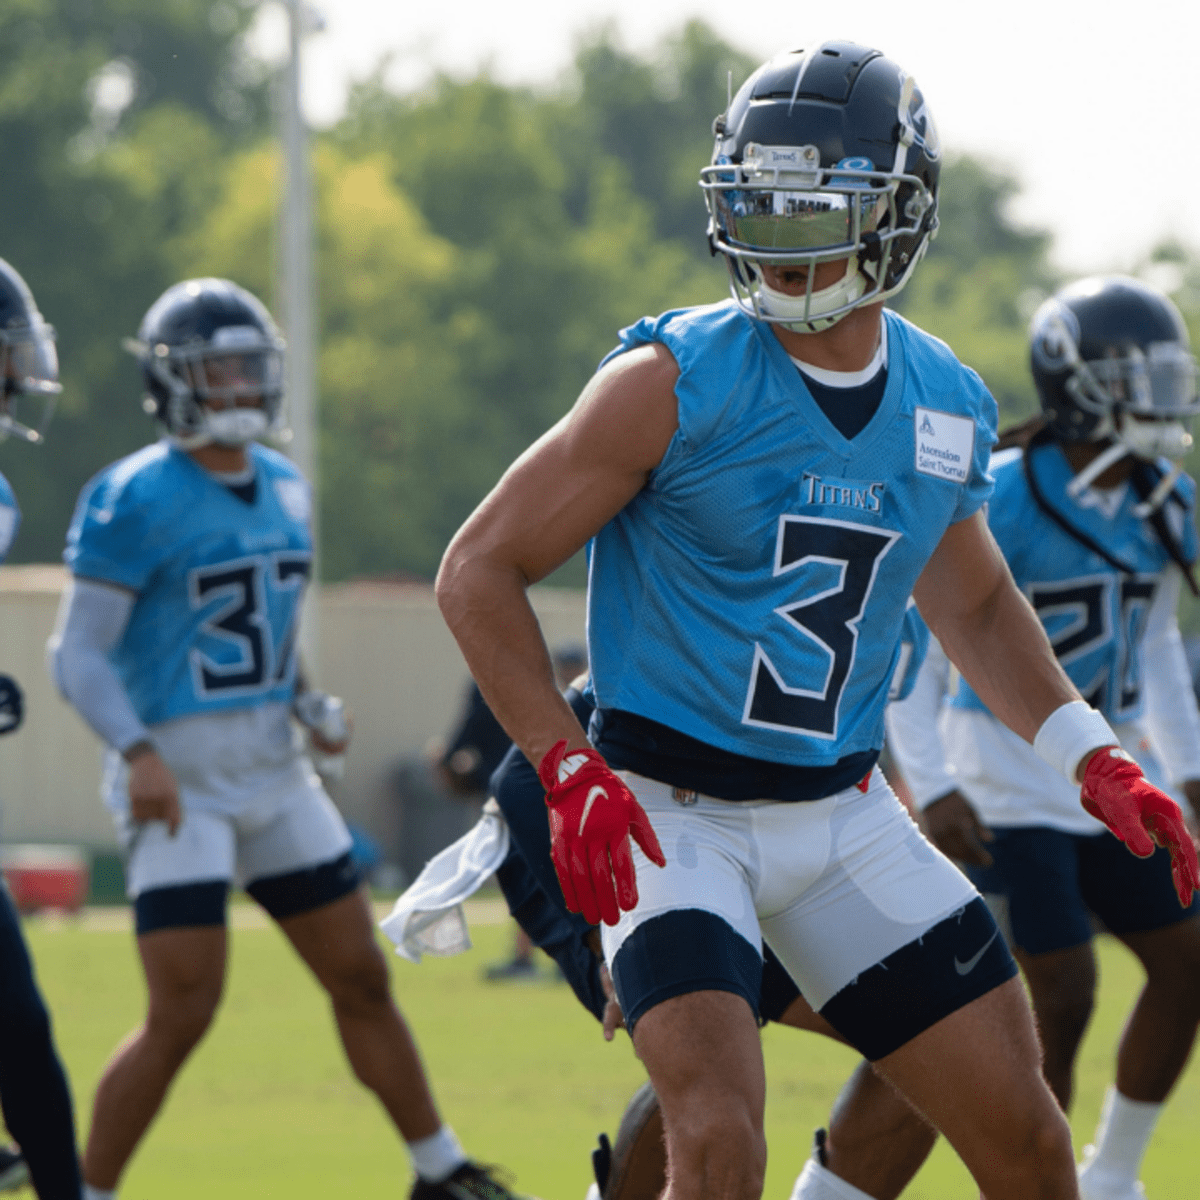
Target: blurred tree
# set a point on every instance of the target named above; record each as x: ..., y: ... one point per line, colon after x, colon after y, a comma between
x: 479, y: 246
x: 981, y: 280
x: 112, y: 118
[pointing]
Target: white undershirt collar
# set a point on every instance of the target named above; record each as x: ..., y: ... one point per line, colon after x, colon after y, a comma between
x: 849, y: 379
x: 234, y: 478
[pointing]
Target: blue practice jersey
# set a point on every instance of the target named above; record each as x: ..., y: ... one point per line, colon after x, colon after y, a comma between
x: 1094, y: 613
x: 751, y: 596
x: 10, y: 518
x: 219, y: 581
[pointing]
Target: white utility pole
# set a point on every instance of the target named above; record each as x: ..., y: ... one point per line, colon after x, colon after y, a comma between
x: 298, y: 293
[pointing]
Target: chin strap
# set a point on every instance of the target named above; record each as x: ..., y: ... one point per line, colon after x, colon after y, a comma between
x: 1158, y: 497
x: 1096, y: 468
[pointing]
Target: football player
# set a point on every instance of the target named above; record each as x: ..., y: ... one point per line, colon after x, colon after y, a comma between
x: 876, y: 1143
x: 33, y: 1087
x: 176, y: 642
x: 1097, y: 524
x: 764, y: 483
x: 878, y: 1159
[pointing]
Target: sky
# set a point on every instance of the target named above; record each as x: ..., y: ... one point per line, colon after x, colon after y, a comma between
x: 1094, y: 104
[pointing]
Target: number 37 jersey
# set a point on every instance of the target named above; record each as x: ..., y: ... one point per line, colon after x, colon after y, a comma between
x: 219, y: 580
x: 752, y: 595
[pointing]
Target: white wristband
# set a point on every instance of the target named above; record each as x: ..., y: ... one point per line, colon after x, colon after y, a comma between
x: 1070, y: 732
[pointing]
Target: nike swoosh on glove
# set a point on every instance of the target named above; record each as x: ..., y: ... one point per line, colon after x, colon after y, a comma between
x: 1116, y: 792
x: 592, y: 815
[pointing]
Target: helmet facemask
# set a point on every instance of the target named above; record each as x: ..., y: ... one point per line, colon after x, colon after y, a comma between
x: 29, y: 369
x: 226, y: 391
x: 770, y: 208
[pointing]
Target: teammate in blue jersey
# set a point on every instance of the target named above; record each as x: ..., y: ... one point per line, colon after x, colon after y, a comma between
x: 34, y: 1093
x: 765, y: 482
x: 177, y: 643
x: 1097, y: 525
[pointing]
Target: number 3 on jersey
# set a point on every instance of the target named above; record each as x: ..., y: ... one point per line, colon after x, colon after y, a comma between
x: 257, y: 603
x: 829, y: 618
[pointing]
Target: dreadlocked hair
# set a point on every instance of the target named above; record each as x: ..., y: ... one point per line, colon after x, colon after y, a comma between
x: 1020, y: 434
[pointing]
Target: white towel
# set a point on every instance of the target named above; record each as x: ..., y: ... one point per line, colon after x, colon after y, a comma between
x: 428, y: 916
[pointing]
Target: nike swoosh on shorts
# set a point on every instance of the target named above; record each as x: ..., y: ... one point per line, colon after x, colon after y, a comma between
x: 965, y: 968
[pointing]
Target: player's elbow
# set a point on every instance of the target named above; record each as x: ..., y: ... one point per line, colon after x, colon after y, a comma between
x: 453, y: 581
x: 472, y: 578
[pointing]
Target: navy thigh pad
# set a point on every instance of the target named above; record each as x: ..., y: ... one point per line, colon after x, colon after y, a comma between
x: 687, y: 950
x: 956, y: 961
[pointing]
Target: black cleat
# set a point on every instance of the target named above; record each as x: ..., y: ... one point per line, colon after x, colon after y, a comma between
x: 469, y: 1182
x: 13, y: 1171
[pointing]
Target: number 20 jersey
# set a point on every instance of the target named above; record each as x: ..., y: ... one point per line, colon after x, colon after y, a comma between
x: 1094, y: 613
x: 218, y: 581
x: 752, y: 594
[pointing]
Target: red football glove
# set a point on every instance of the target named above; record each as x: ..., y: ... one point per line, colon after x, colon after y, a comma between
x: 592, y: 814
x: 1116, y: 792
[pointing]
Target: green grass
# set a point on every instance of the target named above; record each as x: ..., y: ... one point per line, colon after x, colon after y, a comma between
x: 267, y: 1106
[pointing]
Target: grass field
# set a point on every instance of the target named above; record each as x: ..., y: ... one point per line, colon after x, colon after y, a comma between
x: 267, y: 1107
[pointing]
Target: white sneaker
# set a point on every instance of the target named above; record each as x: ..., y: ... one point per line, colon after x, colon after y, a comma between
x: 1095, y: 1186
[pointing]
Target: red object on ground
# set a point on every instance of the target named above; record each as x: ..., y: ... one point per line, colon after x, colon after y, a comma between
x: 46, y: 877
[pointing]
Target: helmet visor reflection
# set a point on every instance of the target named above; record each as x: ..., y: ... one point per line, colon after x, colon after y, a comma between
x: 248, y: 373
x: 1160, y: 383
x: 31, y: 362
x: 775, y: 219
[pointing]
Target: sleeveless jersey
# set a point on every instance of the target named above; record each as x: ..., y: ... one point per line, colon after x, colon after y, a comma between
x: 10, y: 518
x: 752, y: 595
x: 218, y: 581
x: 1093, y: 613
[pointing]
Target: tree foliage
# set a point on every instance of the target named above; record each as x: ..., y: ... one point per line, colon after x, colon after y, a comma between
x: 478, y: 247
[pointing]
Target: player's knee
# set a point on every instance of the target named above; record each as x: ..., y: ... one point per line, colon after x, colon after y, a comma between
x: 718, y: 1149
x: 1063, y: 1025
x: 1178, y: 970
x: 180, y: 1016
x: 1042, y: 1141
x: 360, y: 985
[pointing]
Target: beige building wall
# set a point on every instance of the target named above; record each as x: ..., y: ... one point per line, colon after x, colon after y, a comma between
x: 383, y: 647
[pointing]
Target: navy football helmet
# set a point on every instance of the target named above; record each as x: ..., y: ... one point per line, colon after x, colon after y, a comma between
x: 212, y: 361
x: 1112, y: 361
x: 28, y: 361
x: 823, y: 155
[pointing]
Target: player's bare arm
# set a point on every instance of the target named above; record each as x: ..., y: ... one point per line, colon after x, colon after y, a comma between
x: 989, y: 631
x: 563, y: 489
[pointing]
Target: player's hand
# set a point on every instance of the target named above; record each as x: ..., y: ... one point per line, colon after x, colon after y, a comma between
x: 153, y: 792
x: 1116, y: 792
x: 614, y: 1018
x: 592, y: 814
x: 953, y: 826
x: 327, y: 720
x: 12, y: 705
